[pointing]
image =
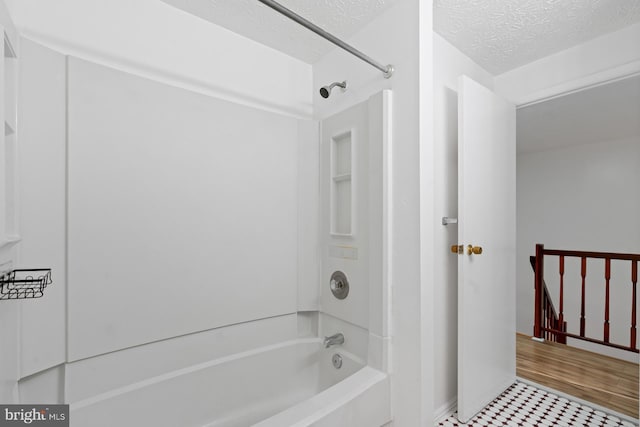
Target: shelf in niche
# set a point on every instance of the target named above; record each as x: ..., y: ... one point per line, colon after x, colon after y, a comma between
x: 342, y: 235
x: 342, y: 177
x: 9, y: 87
x: 8, y: 130
x: 9, y: 52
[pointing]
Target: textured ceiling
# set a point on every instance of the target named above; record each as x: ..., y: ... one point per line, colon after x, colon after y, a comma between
x: 501, y: 35
x: 603, y: 113
x: 497, y: 34
x: 256, y: 21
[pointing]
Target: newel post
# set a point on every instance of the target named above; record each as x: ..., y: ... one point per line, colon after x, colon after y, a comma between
x: 539, y: 292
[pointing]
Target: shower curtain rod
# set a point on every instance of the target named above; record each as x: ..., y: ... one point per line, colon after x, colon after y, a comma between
x: 387, y: 70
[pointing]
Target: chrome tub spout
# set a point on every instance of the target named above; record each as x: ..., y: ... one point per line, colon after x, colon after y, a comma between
x: 335, y: 339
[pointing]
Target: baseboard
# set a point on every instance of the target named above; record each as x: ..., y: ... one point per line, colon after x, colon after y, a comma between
x: 446, y: 409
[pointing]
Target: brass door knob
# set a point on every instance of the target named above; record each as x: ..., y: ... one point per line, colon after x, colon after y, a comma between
x: 456, y: 249
x: 474, y: 250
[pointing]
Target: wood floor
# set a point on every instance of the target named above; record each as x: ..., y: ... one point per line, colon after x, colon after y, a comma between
x: 603, y: 380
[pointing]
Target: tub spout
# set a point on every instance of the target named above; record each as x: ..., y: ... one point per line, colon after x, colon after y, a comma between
x: 335, y: 339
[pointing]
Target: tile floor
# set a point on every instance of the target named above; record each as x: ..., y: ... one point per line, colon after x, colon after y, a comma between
x: 527, y: 406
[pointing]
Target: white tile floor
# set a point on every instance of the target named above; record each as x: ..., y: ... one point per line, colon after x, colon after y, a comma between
x: 527, y: 406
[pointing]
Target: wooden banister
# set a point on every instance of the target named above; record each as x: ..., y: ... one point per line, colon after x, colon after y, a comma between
x: 549, y: 324
x: 550, y: 317
x: 587, y: 254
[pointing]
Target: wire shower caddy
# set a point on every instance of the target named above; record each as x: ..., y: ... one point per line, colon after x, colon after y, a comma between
x: 24, y: 283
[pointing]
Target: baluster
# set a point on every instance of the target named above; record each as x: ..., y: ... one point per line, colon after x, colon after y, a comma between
x: 550, y: 322
x: 561, y: 307
x: 549, y: 317
x: 545, y: 311
x: 634, y: 281
x: 539, y: 274
x: 583, y: 273
x: 607, y: 276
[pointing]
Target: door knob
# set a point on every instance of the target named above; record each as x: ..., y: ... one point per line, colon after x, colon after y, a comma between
x: 474, y: 250
x: 456, y: 249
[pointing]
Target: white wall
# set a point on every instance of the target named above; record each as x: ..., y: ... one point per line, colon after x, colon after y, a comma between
x: 580, y: 198
x: 604, y: 58
x: 153, y: 39
x: 182, y: 211
x: 402, y: 37
x: 449, y: 64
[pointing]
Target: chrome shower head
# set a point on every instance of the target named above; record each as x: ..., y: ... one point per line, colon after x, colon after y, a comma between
x: 325, y: 91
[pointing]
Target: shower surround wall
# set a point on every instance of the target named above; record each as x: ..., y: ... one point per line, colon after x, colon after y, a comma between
x: 187, y: 165
x: 181, y: 211
x: 9, y: 316
x: 42, y: 147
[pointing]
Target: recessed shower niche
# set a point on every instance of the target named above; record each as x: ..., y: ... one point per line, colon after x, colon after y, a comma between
x: 8, y: 183
x: 341, y: 184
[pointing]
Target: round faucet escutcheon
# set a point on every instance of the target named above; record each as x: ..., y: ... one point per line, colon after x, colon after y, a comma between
x: 339, y: 285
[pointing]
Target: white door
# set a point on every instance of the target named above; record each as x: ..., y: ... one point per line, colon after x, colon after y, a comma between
x: 486, y: 220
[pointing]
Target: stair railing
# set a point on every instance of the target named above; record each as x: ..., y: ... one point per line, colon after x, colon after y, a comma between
x: 551, y: 319
x: 549, y: 324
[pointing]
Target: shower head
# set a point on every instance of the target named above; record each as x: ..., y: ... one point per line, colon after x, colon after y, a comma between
x: 325, y: 91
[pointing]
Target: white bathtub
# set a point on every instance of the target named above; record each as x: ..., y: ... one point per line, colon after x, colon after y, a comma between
x: 289, y: 384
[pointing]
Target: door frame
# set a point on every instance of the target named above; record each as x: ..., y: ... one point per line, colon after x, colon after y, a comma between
x: 430, y: 220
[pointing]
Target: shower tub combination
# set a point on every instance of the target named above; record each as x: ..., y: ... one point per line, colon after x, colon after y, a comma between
x: 290, y: 384
x: 295, y: 383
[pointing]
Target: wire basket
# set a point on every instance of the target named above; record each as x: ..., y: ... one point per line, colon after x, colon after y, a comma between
x: 24, y: 283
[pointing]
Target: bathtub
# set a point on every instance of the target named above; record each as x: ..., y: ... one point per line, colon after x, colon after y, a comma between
x: 293, y: 383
